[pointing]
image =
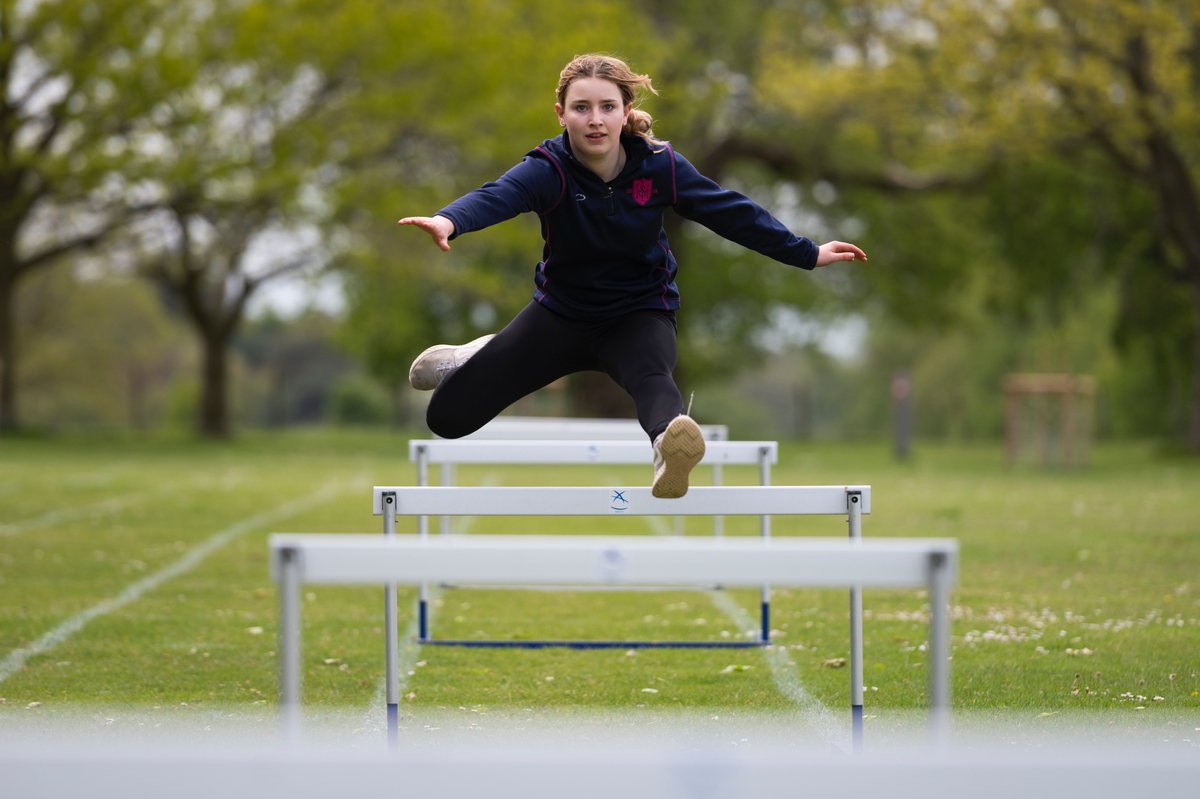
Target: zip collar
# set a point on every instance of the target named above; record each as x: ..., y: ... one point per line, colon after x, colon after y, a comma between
x: 636, y: 151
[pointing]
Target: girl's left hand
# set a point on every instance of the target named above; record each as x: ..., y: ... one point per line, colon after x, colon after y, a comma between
x: 833, y: 251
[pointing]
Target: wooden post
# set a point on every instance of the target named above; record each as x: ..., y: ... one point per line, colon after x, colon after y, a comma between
x: 903, y: 408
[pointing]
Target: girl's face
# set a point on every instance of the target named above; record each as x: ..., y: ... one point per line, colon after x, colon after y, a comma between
x: 593, y: 115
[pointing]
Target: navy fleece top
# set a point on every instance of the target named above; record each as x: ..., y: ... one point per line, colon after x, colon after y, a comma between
x: 606, y: 252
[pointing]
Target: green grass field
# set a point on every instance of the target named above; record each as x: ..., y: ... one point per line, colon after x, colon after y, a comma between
x: 133, y: 575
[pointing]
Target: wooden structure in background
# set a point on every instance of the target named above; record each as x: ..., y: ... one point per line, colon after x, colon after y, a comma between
x: 1053, y: 414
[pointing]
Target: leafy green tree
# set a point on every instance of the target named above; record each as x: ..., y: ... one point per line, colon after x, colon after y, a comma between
x: 76, y: 78
x: 1046, y: 143
x: 245, y: 182
x: 1111, y: 89
x: 1087, y: 110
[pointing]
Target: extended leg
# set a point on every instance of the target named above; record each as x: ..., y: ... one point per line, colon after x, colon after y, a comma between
x: 639, y: 352
x: 536, y: 348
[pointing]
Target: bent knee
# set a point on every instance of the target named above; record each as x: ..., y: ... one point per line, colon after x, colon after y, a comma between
x: 443, y: 421
x: 442, y: 424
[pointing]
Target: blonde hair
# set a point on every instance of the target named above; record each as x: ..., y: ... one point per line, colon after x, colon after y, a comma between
x: 633, y: 86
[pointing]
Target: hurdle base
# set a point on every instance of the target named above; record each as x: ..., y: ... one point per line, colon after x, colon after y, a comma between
x: 393, y: 726
x: 575, y: 644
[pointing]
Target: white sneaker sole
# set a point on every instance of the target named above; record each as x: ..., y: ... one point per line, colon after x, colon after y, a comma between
x: 424, y: 374
x: 682, y: 447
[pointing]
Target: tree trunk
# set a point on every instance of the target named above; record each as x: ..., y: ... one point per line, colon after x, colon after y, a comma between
x: 1194, y: 424
x: 8, y: 353
x: 214, y: 389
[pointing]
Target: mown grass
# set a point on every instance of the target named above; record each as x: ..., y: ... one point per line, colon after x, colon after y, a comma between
x: 1077, y: 589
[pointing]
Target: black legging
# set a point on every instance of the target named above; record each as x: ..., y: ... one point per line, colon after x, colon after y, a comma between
x: 538, y: 346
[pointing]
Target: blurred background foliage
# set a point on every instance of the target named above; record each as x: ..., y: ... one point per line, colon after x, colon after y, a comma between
x: 198, y: 205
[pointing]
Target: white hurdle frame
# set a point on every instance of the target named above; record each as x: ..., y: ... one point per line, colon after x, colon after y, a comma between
x: 297, y: 560
x: 556, y: 428
x: 559, y: 428
x: 424, y: 501
x: 450, y: 453
x: 517, y: 430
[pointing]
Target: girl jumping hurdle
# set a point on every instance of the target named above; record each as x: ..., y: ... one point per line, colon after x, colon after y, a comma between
x: 604, y: 294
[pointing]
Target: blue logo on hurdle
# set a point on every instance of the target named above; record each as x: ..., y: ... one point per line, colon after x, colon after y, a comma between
x: 618, y: 503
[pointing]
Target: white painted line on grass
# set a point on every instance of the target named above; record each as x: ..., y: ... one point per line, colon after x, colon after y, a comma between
x: 16, y: 659
x: 783, y: 672
x: 105, y: 506
x: 101, y: 508
x: 782, y: 669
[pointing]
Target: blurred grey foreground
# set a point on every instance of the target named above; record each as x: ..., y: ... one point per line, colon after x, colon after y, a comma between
x: 594, y: 771
x: 479, y: 753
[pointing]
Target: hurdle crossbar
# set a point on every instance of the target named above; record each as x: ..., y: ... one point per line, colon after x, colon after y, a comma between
x: 627, y: 501
x: 583, y: 451
x: 297, y: 560
x: 447, y: 454
x: 556, y: 428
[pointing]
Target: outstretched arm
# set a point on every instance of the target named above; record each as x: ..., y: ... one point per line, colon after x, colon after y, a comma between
x: 833, y: 251
x: 438, y: 227
x: 740, y: 219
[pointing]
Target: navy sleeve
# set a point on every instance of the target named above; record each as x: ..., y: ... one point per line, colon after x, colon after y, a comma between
x: 736, y: 217
x: 532, y: 185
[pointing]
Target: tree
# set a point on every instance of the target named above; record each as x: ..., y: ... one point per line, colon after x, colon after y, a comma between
x: 244, y: 182
x: 1130, y: 80
x: 925, y: 130
x: 1063, y: 134
x: 75, y: 78
x: 1110, y: 89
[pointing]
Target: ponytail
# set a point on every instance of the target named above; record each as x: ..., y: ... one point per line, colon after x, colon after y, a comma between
x: 641, y: 124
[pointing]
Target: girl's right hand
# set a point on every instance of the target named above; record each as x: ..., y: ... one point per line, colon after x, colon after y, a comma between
x: 438, y: 227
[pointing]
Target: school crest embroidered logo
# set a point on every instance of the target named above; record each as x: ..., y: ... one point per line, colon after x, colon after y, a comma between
x: 643, y: 189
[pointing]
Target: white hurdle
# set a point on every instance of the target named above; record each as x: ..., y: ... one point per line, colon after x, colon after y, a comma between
x: 577, y: 440
x: 422, y: 501
x: 450, y: 453
x: 297, y: 560
x: 557, y: 429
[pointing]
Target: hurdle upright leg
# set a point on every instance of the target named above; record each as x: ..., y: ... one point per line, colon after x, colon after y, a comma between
x: 423, y: 531
x: 448, y: 479
x: 391, y: 633
x: 764, y: 526
x: 940, y: 579
x: 854, y: 512
x: 718, y: 479
x: 290, y: 666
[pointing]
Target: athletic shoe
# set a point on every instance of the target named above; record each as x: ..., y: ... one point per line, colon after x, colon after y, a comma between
x: 676, y: 452
x: 432, y: 365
